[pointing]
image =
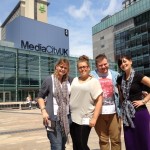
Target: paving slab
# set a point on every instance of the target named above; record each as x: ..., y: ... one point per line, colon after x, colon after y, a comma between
x: 23, y: 130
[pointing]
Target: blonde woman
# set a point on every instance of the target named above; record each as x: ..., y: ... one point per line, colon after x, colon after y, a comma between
x: 56, y: 88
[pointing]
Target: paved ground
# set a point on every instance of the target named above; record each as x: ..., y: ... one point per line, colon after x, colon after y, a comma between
x: 23, y: 130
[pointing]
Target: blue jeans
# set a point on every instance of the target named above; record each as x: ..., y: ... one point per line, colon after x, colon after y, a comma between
x: 57, y: 140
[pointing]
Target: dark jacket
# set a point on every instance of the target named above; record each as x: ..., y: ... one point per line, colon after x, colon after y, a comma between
x: 47, y: 91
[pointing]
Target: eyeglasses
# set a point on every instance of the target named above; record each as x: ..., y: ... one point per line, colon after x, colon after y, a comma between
x: 62, y: 67
x: 83, y: 67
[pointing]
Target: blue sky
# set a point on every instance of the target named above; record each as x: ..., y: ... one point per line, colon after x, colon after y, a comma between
x: 79, y: 16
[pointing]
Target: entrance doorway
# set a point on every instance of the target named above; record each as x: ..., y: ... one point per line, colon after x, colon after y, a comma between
x: 23, y: 93
x: 5, y: 96
x: 32, y: 93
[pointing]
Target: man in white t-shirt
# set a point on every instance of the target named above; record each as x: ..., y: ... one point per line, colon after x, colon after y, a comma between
x: 108, y: 126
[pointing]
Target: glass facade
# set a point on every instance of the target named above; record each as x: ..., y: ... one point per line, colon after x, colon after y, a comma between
x: 136, y: 43
x: 133, y: 10
x: 22, y: 72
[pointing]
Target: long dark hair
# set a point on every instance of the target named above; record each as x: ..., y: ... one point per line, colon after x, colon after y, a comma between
x: 121, y: 58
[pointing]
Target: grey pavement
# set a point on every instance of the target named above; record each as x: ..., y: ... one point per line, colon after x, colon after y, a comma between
x: 23, y: 130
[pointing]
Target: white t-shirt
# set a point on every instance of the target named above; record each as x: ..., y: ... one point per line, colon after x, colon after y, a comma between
x: 55, y: 105
x: 108, y: 94
x: 82, y: 99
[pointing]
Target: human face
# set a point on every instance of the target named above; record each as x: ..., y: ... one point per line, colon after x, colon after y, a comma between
x: 103, y: 66
x: 83, y: 69
x: 62, y: 69
x: 126, y: 64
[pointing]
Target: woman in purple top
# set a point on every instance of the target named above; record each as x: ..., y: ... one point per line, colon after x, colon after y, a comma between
x: 136, y: 118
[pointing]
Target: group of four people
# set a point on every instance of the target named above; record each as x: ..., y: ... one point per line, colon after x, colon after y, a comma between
x: 98, y: 98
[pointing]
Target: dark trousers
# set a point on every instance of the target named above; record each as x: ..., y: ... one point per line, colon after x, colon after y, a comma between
x: 80, y: 135
x: 138, y: 138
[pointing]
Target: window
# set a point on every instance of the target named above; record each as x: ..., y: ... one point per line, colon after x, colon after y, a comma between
x: 137, y: 30
x: 101, y: 38
x: 134, y: 63
x: 144, y: 40
x: 143, y: 28
x: 128, y: 53
x: 138, y: 41
x: 132, y: 32
x: 133, y: 53
x: 140, y: 62
x: 139, y: 52
x: 102, y: 46
x: 145, y: 50
x: 133, y: 43
x: 146, y: 60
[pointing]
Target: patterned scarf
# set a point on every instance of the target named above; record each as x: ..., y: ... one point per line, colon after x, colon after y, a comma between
x: 128, y: 111
x: 62, y: 98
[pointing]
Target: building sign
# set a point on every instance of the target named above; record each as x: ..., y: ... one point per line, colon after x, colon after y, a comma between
x: 46, y: 49
x: 42, y: 8
x: 36, y: 36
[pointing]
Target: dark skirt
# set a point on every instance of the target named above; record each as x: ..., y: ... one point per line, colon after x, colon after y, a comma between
x: 138, y: 138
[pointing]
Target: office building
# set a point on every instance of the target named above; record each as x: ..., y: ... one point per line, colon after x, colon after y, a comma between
x: 126, y: 32
x: 29, y: 50
x: 33, y: 9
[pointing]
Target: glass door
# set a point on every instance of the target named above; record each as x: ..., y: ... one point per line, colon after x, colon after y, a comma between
x: 32, y: 93
x: 5, y: 96
x: 1, y: 96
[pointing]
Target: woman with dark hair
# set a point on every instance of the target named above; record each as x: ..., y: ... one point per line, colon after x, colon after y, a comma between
x: 136, y: 118
x: 56, y: 88
x: 85, y: 104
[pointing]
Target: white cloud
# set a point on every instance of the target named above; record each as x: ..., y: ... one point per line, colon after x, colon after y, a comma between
x: 80, y: 43
x: 82, y: 12
x: 113, y: 7
x: 80, y: 50
x: 80, y: 39
x: 58, y: 21
x: 79, y: 21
